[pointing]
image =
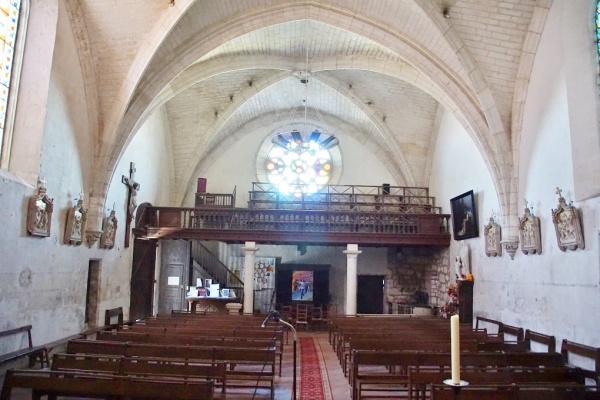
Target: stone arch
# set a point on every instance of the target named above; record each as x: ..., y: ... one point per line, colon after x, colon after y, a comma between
x: 495, y: 142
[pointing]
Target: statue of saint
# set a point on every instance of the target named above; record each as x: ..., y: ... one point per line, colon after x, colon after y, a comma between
x: 462, y: 264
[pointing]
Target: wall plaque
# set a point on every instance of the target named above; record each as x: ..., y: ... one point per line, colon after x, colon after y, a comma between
x: 567, y: 225
x: 76, y: 221
x: 529, y: 232
x: 492, y: 234
x: 39, y: 212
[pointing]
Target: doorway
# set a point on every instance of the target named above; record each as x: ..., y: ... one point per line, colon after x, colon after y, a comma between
x: 142, y: 279
x: 174, y: 275
x: 92, y: 294
x: 369, y: 294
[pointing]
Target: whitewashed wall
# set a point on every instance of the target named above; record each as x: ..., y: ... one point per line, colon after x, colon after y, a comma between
x: 41, y: 275
x: 555, y: 292
x: 149, y: 150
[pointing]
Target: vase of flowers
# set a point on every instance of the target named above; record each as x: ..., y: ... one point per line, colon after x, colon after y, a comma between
x: 451, y: 307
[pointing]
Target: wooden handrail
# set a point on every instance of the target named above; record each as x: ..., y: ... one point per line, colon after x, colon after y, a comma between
x: 374, y: 228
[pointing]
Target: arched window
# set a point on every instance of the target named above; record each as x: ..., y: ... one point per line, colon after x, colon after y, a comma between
x: 598, y: 28
x: 10, y: 14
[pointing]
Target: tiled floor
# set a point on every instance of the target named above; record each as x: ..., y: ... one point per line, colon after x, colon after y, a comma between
x: 339, y: 387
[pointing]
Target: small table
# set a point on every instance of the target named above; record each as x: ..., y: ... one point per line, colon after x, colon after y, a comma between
x: 205, y: 302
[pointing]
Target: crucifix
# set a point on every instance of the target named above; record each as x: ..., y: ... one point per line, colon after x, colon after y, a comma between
x: 133, y: 187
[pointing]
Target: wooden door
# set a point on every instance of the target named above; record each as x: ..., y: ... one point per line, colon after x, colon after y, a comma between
x: 174, y: 275
x: 142, y: 279
x: 369, y: 294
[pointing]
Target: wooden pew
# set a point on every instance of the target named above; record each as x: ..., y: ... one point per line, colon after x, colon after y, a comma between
x: 247, y: 366
x: 569, y: 348
x: 97, y: 385
x: 544, y: 391
x: 140, y: 366
x: 409, y: 334
x: 259, y: 339
x: 251, y: 368
x: 403, y: 345
x: 371, y: 369
x: 420, y: 378
x: 545, y: 340
x: 511, y: 330
x: 34, y: 353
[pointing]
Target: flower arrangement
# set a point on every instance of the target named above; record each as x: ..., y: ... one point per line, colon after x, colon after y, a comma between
x: 451, y: 307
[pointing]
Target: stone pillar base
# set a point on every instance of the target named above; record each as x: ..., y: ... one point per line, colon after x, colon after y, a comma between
x: 233, y: 308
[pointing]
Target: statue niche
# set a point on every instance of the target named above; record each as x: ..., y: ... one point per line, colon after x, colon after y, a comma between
x: 39, y: 212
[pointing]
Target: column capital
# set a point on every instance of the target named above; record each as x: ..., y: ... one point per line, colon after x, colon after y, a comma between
x: 352, y: 250
x: 250, y: 246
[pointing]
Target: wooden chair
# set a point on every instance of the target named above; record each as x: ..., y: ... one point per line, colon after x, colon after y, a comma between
x: 301, y: 316
x: 317, y: 317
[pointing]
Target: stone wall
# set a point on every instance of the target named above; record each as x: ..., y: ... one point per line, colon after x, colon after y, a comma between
x: 412, y: 269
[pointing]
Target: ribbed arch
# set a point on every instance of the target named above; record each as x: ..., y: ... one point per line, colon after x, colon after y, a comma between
x: 493, y: 145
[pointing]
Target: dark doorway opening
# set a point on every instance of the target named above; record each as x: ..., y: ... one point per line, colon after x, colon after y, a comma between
x: 369, y: 294
x: 92, y: 294
x: 142, y: 279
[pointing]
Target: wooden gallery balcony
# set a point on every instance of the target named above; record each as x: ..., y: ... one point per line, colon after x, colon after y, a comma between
x: 367, y: 215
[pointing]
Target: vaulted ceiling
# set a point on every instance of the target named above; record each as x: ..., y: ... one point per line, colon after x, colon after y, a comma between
x: 381, y: 71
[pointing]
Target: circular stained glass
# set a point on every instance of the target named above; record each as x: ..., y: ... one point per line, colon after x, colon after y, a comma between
x: 298, y: 166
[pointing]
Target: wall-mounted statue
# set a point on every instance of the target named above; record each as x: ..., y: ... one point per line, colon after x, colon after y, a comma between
x: 529, y: 232
x: 492, y: 235
x: 567, y: 225
x: 76, y: 221
x: 39, y: 212
x: 462, y: 263
x: 109, y: 231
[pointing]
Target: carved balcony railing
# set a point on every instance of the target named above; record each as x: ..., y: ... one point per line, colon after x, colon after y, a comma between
x: 294, y: 226
x: 386, y: 198
x: 215, y: 200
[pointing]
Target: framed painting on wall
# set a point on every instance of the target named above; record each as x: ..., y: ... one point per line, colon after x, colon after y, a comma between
x: 464, y: 216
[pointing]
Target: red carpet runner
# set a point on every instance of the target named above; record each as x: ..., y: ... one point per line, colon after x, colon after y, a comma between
x: 311, y: 382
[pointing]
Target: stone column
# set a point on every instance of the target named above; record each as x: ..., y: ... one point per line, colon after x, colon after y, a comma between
x: 351, y: 253
x: 249, y: 250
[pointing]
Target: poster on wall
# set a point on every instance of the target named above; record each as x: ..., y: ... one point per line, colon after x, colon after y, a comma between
x: 264, y: 283
x: 302, y: 285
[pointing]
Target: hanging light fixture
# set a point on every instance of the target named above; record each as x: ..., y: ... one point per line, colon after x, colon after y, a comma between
x: 300, y: 164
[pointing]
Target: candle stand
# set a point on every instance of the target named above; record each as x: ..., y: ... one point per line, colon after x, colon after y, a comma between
x: 456, y: 387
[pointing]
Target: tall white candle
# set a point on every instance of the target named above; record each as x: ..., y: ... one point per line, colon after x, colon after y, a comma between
x: 455, y: 349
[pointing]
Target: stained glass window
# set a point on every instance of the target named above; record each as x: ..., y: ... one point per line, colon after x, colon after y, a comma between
x: 9, y: 21
x: 297, y: 166
x: 598, y: 28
